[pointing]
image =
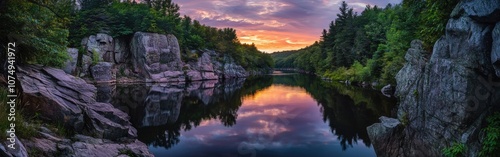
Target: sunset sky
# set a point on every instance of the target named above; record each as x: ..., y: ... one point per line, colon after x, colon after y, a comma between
x: 273, y: 25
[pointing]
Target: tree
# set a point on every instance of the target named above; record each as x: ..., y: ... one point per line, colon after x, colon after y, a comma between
x: 39, y: 29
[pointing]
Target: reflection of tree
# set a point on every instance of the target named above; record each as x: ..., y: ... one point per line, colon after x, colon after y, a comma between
x: 348, y: 110
x: 223, y: 105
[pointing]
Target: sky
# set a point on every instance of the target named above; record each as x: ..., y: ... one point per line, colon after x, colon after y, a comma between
x: 272, y: 25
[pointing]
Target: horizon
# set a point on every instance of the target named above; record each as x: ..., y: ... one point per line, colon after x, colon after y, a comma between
x: 276, y: 25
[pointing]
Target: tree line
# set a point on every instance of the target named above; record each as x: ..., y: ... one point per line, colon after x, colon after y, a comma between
x: 370, y: 46
x: 44, y: 28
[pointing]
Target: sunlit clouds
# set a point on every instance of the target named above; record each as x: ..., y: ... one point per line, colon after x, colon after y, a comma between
x: 272, y: 25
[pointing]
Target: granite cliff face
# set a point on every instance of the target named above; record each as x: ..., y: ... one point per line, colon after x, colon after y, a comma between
x: 444, y: 98
x: 148, y: 57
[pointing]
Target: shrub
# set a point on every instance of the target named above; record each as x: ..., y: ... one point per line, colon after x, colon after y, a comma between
x: 491, y: 142
x: 454, y: 150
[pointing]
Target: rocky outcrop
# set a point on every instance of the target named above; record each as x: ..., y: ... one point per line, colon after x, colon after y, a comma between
x: 149, y: 57
x: 203, y: 69
x: 445, y: 99
x: 233, y: 70
x: 59, y: 98
x: 102, y: 44
x: 157, y: 57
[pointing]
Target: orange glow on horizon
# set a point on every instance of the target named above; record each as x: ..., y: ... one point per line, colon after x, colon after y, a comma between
x: 278, y: 94
x: 273, y: 41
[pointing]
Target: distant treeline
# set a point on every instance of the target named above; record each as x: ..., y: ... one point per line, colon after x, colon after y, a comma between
x: 370, y: 46
x: 44, y: 28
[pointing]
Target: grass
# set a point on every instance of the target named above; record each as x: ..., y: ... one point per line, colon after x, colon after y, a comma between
x: 457, y: 149
x: 25, y: 127
x: 95, y: 57
x: 491, y: 141
x: 4, y: 123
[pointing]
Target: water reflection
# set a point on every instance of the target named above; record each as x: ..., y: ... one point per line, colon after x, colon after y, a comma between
x: 281, y: 115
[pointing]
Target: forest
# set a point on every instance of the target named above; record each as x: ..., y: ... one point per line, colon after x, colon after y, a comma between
x: 43, y: 29
x: 370, y: 46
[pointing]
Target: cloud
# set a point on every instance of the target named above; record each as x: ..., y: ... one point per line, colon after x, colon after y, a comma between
x: 273, y: 25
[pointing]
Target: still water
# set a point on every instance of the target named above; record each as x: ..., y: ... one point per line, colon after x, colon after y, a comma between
x: 284, y: 114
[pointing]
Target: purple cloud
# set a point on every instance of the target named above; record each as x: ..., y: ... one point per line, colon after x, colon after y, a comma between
x: 301, y: 18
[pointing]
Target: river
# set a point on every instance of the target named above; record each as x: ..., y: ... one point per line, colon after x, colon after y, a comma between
x: 284, y: 114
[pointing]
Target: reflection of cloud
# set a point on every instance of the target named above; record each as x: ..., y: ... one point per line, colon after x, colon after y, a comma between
x: 265, y: 121
x: 300, y: 21
x: 268, y: 112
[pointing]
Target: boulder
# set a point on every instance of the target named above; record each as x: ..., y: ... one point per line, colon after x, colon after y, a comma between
x: 445, y: 99
x: 86, y: 63
x: 233, y: 70
x: 70, y: 65
x: 202, y: 69
x: 102, y: 44
x: 157, y: 57
x: 103, y: 72
x: 60, y: 98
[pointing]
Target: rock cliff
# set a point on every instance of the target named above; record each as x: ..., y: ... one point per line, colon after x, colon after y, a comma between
x: 444, y: 98
x: 148, y: 57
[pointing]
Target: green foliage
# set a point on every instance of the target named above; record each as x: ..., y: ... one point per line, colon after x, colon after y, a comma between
x: 370, y: 46
x: 455, y: 150
x: 38, y: 28
x: 491, y: 142
x: 95, y: 57
x: 433, y: 20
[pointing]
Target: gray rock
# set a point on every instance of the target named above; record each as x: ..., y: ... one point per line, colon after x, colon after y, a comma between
x: 18, y: 151
x: 86, y: 63
x: 439, y: 98
x: 64, y: 99
x: 70, y: 65
x: 121, y: 50
x: 103, y: 72
x: 102, y: 44
x: 487, y: 11
x: 202, y: 69
x: 157, y: 57
x: 233, y: 70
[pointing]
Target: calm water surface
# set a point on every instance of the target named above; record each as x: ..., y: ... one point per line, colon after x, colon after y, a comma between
x: 279, y: 115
